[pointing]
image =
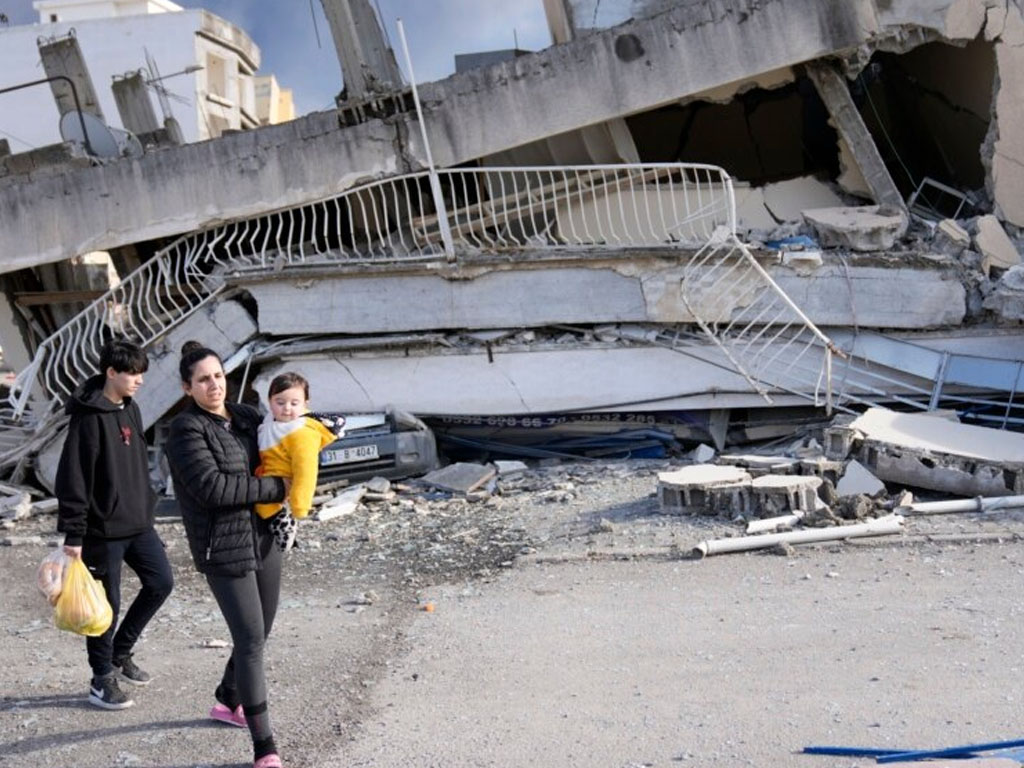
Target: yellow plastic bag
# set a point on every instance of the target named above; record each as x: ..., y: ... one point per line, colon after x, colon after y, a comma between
x: 82, y: 607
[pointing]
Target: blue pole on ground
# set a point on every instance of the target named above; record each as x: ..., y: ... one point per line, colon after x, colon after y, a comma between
x: 852, y: 751
x: 960, y: 751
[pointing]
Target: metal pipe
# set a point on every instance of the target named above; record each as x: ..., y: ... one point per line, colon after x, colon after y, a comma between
x: 74, y: 95
x: 882, y: 526
x: 977, y: 504
x: 435, y: 182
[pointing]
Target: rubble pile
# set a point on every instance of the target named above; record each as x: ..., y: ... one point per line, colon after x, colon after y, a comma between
x: 844, y: 484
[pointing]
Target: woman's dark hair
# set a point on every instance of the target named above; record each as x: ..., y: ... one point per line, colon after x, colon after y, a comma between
x: 191, y: 353
x: 287, y: 380
x: 123, y: 356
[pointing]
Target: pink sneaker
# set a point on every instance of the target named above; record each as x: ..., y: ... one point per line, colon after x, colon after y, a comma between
x: 268, y: 761
x: 225, y: 715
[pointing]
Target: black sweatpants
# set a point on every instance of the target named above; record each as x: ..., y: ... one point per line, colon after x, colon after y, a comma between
x: 249, y: 605
x: 143, y: 553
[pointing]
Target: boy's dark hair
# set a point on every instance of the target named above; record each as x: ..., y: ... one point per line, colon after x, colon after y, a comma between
x: 123, y: 356
x: 287, y: 380
x: 191, y: 353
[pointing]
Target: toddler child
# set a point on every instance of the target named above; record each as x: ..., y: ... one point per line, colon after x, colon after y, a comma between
x: 290, y: 440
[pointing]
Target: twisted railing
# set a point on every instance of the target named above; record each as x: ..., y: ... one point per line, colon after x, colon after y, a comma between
x: 396, y: 219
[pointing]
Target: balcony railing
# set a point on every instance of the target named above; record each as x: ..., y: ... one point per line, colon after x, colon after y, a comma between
x: 393, y: 220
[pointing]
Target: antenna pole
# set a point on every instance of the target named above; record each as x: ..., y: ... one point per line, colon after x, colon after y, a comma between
x: 74, y: 95
x: 435, y: 182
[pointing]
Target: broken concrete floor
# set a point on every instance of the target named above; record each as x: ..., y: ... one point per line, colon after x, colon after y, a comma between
x: 606, y: 654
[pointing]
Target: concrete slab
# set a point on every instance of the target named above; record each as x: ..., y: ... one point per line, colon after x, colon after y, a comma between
x: 857, y: 480
x: 926, y: 452
x: 461, y: 477
x: 786, y: 200
x: 995, y: 246
x: 926, y: 433
x: 862, y: 228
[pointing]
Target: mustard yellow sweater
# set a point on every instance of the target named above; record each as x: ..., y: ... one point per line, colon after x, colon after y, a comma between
x: 292, y: 449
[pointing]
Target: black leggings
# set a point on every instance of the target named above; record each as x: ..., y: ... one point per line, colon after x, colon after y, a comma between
x: 249, y: 604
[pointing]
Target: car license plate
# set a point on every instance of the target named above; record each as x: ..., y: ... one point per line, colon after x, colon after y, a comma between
x: 349, y: 455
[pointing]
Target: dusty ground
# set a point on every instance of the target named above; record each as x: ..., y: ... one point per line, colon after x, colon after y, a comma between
x: 569, y: 630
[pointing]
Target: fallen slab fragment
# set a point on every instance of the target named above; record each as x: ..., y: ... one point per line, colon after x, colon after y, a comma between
x: 996, y: 247
x: 925, y: 452
x: 702, y: 454
x: 883, y: 526
x: 690, y: 490
x: 761, y: 465
x: 861, y: 228
x: 344, y: 503
x: 461, y: 477
x: 857, y: 480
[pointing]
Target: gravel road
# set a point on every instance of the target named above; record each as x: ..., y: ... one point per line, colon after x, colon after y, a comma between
x: 570, y: 628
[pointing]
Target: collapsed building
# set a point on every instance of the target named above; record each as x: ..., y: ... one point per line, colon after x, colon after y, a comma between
x: 684, y: 217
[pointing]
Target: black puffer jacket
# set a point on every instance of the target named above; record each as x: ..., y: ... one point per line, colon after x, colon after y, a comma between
x: 212, y: 460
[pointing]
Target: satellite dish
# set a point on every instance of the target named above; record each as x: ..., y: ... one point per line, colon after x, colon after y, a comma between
x: 128, y: 144
x: 101, y: 139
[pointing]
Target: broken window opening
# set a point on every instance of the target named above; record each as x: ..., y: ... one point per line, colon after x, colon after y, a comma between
x: 929, y: 112
x: 760, y: 136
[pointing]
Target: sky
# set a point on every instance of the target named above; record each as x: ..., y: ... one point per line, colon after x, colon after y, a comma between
x: 296, y: 46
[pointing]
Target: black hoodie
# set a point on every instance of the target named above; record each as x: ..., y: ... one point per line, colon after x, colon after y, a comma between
x: 103, y: 476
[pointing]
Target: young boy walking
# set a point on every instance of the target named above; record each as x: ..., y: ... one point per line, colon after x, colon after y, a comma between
x: 106, y: 512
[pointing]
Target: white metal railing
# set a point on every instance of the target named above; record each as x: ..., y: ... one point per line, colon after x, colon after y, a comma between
x: 488, y: 209
x: 759, y: 329
x: 492, y: 209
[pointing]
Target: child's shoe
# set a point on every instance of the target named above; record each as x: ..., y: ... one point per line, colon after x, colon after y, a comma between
x: 268, y: 761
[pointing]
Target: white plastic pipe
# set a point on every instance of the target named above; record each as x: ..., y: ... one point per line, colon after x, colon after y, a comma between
x: 977, y: 504
x: 774, y: 523
x: 880, y: 527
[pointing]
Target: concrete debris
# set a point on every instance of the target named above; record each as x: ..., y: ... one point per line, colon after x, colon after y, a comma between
x: 924, y: 452
x: 864, y: 228
x: 15, y: 507
x: 995, y: 246
x: 379, y: 485
x: 461, y: 477
x: 857, y: 480
x: 702, y: 454
x: 1007, y: 299
x: 509, y: 469
x: 45, y: 507
x: 950, y: 238
x: 761, y: 465
x: 344, y: 503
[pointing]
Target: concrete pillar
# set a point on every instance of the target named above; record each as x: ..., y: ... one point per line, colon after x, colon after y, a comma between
x: 832, y: 88
x: 703, y: 489
x: 367, y: 63
x: 15, y: 351
x: 134, y: 105
x: 783, y: 494
x: 559, y: 15
x: 63, y: 57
